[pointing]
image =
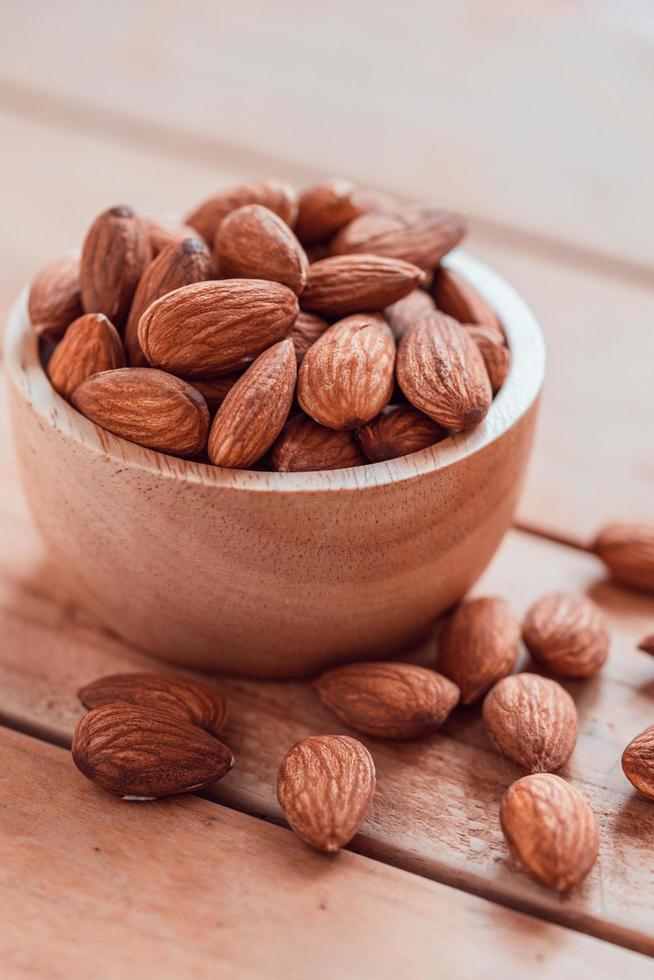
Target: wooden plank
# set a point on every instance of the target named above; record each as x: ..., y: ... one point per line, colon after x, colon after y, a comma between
x: 92, y: 886
x: 501, y: 110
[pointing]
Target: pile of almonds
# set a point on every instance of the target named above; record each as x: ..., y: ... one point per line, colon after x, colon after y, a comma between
x: 286, y: 332
x: 149, y: 735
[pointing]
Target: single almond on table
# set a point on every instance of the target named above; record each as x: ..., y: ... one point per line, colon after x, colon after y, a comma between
x: 275, y: 195
x: 647, y: 644
x: 115, y: 254
x: 255, y: 409
x: 638, y: 762
x: 55, y: 298
x: 398, y: 431
x: 357, y: 284
x: 254, y: 243
x: 346, y: 377
x: 478, y: 646
x: 567, y: 634
x: 163, y: 233
x: 627, y: 550
x: 324, y: 208
x: 305, y: 332
x: 90, y: 345
x: 142, y: 753
x: 420, y: 235
x: 213, y: 328
x: 406, y: 312
x: 388, y: 700
x: 531, y: 720
x: 456, y: 297
x: 303, y: 445
x: 550, y: 830
x: 178, y: 264
x: 214, y: 390
x: 325, y: 785
x: 494, y: 351
x: 441, y: 371
x: 148, y: 407
x: 195, y: 701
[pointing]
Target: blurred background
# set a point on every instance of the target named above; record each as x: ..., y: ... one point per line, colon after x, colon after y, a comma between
x: 536, y: 119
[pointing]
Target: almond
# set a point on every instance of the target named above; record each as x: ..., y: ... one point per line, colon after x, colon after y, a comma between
x: 90, y: 345
x: 140, y: 752
x: 273, y: 194
x: 192, y: 700
x: 305, y: 332
x: 148, y: 407
x: 213, y: 328
x: 325, y: 785
x: 566, y: 634
x: 304, y: 445
x: 356, y: 284
x: 55, y: 298
x: 254, y: 243
x: 419, y: 235
x: 115, y: 253
x: 178, y: 264
x: 478, y: 646
x: 388, y: 700
x: 346, y: 377
x: 532, y: 720
x: 647, y: 644
x: 627, y: 550
x: 163, y: 233
x: 324, y: 208
x: 494, y: 352
x: 255, y: 409
x: 456, y: 297
x: 638, y: 762
x: 398, y: 431
x: 441, y: 371
x: 406, y: 312
x: 214, y: 390
x: 550, y: 830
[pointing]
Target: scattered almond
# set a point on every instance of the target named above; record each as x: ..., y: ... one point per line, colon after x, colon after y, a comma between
x: 550, y: 830
x: 305, y: 332
x: 254, y: 243
x: 325, y: 785
x: 275, y: 195
x: 627, y: 550
x: 638, y: 762
x: 55, y: 298
x: 90, y: 345
x: 457, y: 298
x: 478, y: 646
x: 494, y: 352
x: 567, y: 634
x: 408, y: 311
x: 420, y: 235
x: 304, y: 445
x: 115, y: 253
x: 398, y: 431
x: 357, y: 284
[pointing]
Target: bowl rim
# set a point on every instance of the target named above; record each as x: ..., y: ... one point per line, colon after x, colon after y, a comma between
x: 520, y: 390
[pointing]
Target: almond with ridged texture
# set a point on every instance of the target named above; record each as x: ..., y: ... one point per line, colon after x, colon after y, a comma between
x: 456, y: 297
x: 408, y: 311
x: 305, y: 332
x: 55, y: 298
x: 550, y: 830
x: 647, y: 644
x: 638, y: 762
x: 494, y: 351
x: 305, y: 446
x: 140, y: 752
x: 178, y: 264
x: 213, y: 328
x: 420, y: 235
x: 478, y: 646
x: 163, y: 233
x: 214, y: 390
x: 627, y: 550
x: 567, y: 635
x: 441, y: 371
x: 254, y: 243
x: 356, y: 284
x: 388, y: 700
x: 90, y: 345
x: 148, y: 407
x: 325, y: 786
x: 255, y: 409
x: 192, y: 700
x: 398, y: 431
x: 275, y: 195
x: 115, y: 254
x: 346, y: 377
x: 531, y: 720
x: 324, y: 208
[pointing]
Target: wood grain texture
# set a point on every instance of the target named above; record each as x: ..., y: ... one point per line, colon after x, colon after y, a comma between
x: 94, y: 886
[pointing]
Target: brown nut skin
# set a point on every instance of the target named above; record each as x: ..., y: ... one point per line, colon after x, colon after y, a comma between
x: 550, y: 830
x: 398, y: 431
x: 627, y: 550
x: 638, y: 762
x: 55, y: 298
x: 254, y: 243
x: 303, y: 445
x: 276, y: 195
x: 115, y: 254
x: 567, y: 635
x: 90, y: 345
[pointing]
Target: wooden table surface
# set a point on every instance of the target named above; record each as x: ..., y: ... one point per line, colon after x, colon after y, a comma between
x: 141, y: 106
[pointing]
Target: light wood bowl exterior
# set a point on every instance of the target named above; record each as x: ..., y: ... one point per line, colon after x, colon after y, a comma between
x: 273, y: 574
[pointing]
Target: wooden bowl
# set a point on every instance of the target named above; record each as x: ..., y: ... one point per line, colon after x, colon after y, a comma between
x: 273, y: 574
